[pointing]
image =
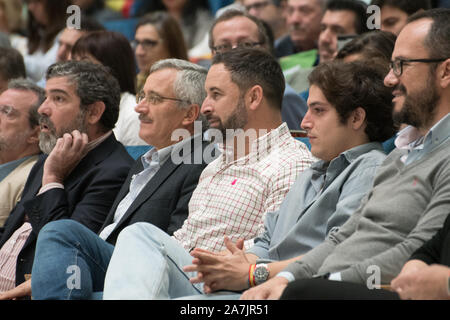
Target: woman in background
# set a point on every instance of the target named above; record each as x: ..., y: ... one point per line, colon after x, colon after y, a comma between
x: 46, y: 19
x: 158, y: 36
x: 113, y: 50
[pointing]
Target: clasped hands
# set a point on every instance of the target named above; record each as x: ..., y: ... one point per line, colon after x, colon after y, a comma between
x: 228, y: 270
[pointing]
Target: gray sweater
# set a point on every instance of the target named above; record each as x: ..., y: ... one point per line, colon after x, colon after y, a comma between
x: 405, y: 208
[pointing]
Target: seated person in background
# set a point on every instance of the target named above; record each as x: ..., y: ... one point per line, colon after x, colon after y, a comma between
x: 11, y: 66
x: 234, y: 29
x: 158, y: 36
x: 342, y: 17
x: 345, y: 135
x: 113, y: 50
x: 70, y: 35
x: 83, y: 167
x: 375, y: 47
x: 395, y: 13
x: 259, y: 163
x: 387, y: 228
x: 271, y: 12
x: 157, y: 189
x: 303, y: 20
x: 19, y: 140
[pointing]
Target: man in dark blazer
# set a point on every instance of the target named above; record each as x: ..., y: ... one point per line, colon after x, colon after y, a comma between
x: 82, y: 168
x: 157, y: 189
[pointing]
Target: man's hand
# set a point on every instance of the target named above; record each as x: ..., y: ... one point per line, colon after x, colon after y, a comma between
x: 22, y: 290
x: 270, y: 290
x: 65, y: 156
x: 430, y: 282
x: 224, y: 271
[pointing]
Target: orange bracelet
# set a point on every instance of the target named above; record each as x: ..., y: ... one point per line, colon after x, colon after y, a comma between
x: 251, y: 276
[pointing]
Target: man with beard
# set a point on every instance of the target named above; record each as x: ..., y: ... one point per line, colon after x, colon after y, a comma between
x: 410, y: 198
x: 19, y: 140
x: 259, y: 162
x: 81, y: 171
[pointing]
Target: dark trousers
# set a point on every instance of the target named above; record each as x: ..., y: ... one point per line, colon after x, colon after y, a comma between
x: 322, y: 289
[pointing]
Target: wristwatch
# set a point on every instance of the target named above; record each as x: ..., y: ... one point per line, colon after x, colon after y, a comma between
x: 261, y: 273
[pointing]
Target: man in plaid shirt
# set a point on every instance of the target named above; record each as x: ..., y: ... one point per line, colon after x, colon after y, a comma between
x: 252, y: 176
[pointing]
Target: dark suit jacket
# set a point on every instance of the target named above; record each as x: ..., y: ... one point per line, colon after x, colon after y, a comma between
x: 164, y: 201
x: 87, y: 197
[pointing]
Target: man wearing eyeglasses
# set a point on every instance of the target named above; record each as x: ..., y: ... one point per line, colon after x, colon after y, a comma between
x: 237, y: 29
x: 271, y: 12
x: 157, y: 190
x: 410, y: 198
x: 19, y: 140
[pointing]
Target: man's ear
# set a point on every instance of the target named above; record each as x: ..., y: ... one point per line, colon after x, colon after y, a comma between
x: 191, y: 114
x: 358, y: 118
x: 34, y: 137
x: 95, y: 112
x: 254, y: 97
x: 444, y: 74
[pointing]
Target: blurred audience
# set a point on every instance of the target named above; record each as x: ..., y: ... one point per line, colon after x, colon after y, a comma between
x: 270, y: 11
x: 303, y: 19
x: 70, y: 35
x: 11, y: 66
x: 395, y: 13
x: 46, y: 21
x: 113, y: 50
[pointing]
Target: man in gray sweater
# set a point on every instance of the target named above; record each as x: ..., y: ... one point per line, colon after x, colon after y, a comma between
x: 410, y: 198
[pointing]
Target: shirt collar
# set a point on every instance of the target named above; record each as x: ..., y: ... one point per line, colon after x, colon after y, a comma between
x: 349, y: 155
x: 259, y: 146
x: 160, y: 156
x: 410, y: 137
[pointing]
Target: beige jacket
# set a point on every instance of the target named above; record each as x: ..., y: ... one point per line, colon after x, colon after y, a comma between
x: 11, y: 187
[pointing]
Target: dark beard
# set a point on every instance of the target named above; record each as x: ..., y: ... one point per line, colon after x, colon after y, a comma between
x: 237, y: 120
x: 418, y: 109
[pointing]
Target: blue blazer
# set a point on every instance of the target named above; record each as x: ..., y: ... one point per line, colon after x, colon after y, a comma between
x: 88, y: 194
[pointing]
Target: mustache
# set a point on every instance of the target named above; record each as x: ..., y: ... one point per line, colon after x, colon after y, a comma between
x: 44, y: 120
x: 143, y: 118
x: 400, y: 88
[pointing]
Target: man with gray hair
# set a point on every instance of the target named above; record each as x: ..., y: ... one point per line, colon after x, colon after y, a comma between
x: 19, y: 140
x: 82, y: 169
x: 157, y: 190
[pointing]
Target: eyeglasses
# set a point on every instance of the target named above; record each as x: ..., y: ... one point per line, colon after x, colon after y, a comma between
x: 155, y: 99
x: 397, y: 64
x: 257, y: 5
x: 147, y: 44
x: 243, y: 45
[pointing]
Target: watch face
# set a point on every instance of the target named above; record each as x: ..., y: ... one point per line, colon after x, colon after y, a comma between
x: 261, y: 274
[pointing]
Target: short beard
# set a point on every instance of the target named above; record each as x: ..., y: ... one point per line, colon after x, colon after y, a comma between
x: 419, y: 109
x: 47, y: 141
x: 237, y: 120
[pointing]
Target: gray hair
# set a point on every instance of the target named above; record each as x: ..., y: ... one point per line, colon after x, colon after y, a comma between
x: 189, y: 84
x: 93, y: 83
x: 27, y: 85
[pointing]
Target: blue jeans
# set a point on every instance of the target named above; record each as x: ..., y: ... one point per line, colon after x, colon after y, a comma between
x: 70, y: 262
x: 147, y: 264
